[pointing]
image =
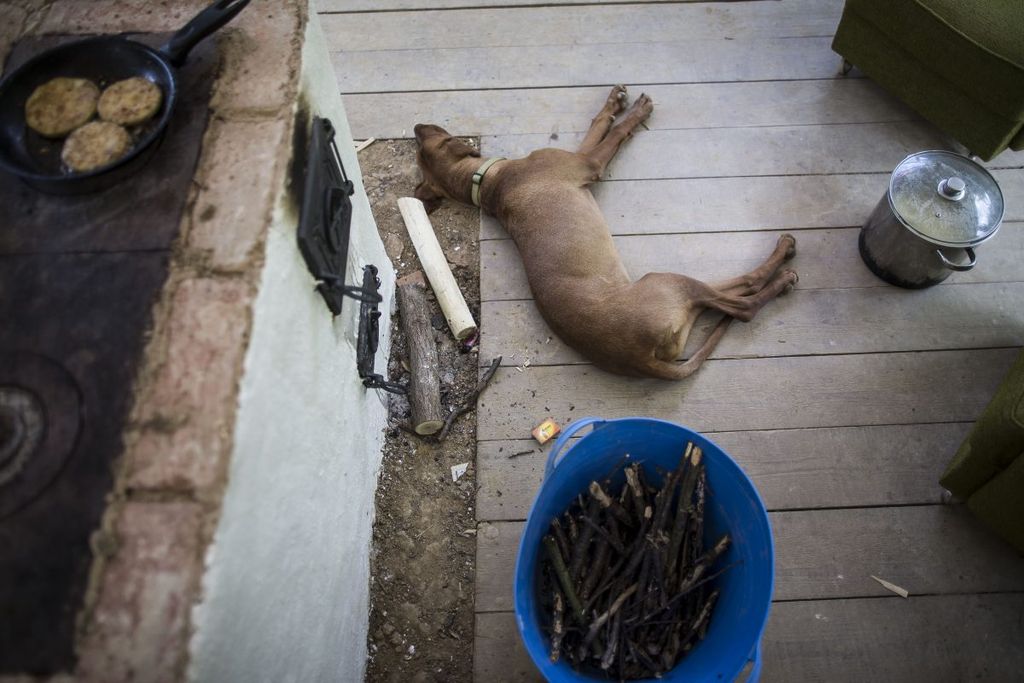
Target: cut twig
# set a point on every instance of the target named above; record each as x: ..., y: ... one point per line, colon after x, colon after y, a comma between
x: 559, y: 533
x: 597, y: 567
x: 705, y: 614
x: 557, y: 627
x: 579, y: 551
x: 563, y: 578
x: 605, y: 535
x: 470, y: 402
x: 613, y: 643
x: 637, y: 490
x: 698, y: 515
x: 691, y: 459
x: 600, y: 621
x: 705, y: 561
x: 610, y: 504
x: 679, y: 597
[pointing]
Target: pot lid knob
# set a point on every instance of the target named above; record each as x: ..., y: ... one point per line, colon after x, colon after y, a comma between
x: 953, y: 188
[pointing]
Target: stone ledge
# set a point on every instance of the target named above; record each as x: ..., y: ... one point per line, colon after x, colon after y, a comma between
x: 231, y: 212
x: 119, y: 16
x: 184, y: 414
x: 139, y: 622
x: 260, y: 54
x: 11, y: 27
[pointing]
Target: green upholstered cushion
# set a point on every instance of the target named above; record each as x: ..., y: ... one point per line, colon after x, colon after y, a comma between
x: 960, y: 114
x: 1000, y: 503
x: 995, y: 442
x: 994, y: 24
x: 976, y: 45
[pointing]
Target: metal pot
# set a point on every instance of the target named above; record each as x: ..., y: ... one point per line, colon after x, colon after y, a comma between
x: 940, y: 206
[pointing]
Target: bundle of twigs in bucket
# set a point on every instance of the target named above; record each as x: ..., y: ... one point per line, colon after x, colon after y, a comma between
x: 626, y: 573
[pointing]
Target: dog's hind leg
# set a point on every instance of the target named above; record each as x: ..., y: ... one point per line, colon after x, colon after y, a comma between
x: 602, y: 123
x: 752, y: 282
x: 605, y: 150
x: 745, y: 307
x: 665, y: 369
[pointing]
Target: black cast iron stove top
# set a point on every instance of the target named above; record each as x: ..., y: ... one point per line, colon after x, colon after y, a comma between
x: 78, y: 277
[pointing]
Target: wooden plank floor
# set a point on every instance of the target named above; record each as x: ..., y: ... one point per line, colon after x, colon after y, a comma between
x: 843, y: 401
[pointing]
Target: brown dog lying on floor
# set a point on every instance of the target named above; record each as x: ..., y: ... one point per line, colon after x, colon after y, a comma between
x: 579, y: 283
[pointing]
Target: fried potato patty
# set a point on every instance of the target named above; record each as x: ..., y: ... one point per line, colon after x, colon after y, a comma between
x: 130, y: 102
x: 95, y: 144
x: 61, y: 105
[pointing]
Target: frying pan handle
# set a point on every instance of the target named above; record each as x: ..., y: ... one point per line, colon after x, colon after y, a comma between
x: 203, y: 24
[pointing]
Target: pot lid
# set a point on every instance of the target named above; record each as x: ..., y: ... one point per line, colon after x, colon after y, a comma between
x: 946, y: 198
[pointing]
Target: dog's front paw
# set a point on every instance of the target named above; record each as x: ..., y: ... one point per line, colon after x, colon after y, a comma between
x: 618, y: 98
x: 644, y: 105
x: 788, y: 242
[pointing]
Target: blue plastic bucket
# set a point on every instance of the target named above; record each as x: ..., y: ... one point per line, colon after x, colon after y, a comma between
x: 733, y: 506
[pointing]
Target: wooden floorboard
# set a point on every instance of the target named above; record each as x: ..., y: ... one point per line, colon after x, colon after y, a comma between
x: 829, y: 554
x: 559, y: 25
x: 498, y: 652
x: 797, y: 468
x: 932, y: 638
x: 805, y: 322
x: 663, y: 206
x: 347, y: 6
x: 764, y: 393
x: 567, y: 110
x: 826, y: 259
x: 936, y: 638
x: 756, y: 151
x: 477, y: 68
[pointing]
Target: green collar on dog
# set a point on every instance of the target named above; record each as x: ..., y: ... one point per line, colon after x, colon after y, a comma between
x: 478, y: 177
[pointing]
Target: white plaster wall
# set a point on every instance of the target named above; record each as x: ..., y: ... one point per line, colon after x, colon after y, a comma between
x: 286, y: 587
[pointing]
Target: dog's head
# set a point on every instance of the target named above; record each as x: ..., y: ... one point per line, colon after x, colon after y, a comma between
x: 439, y: 153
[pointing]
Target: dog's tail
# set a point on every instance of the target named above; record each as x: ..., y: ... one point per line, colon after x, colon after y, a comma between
x: 663, y: 369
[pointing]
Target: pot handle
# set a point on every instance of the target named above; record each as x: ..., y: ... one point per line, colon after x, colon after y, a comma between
x: 203, y: 24
x: 563, y: 439
x: 959, y: 266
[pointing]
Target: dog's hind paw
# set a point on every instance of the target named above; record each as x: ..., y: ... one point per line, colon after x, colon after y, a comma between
x: 791, y: 285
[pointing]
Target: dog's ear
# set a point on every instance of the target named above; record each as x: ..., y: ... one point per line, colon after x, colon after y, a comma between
x: 424, y: 130
x: 429, y: 196
x: 461, y: 149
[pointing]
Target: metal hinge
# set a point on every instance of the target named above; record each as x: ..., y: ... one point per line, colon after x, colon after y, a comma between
x: 369, y: 335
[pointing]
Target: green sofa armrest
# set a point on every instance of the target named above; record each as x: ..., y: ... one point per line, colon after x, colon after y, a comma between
x: 1000, y: 503
x: 995, y: 442
x: 959, y: 64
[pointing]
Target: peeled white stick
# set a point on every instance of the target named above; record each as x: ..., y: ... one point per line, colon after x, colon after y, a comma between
x: 435, y: 265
